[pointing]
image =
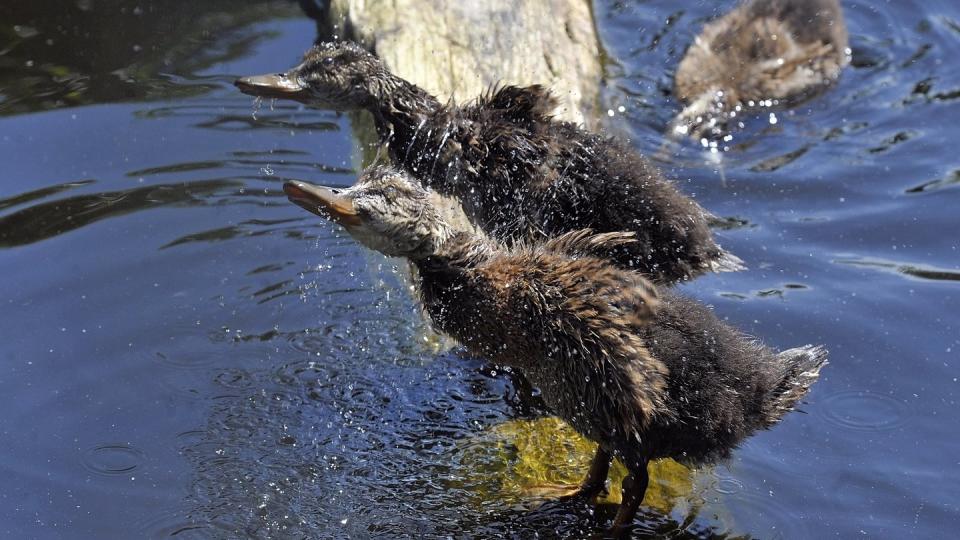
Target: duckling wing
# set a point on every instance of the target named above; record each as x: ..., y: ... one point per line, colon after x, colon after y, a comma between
x: 587, y: 243
x: 522, y: 104
x: 788, y: 68
x: 575, y: 326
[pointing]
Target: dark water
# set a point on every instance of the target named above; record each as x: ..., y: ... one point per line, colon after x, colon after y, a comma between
x: 186, y: 354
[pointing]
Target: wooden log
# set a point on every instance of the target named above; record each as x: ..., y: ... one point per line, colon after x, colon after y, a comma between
x: 459, y: 49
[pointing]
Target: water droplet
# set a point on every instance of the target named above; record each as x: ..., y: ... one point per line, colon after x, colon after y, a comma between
x: 257, y: 103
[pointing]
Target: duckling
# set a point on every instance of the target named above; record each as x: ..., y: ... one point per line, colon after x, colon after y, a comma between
x: 641, y: 370
x: 520, y: 174
x: 764, y: 52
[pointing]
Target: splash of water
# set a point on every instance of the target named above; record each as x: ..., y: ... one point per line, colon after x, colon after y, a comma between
x: 257, y: 103
x: 443, y: 142
x: 413, y: 139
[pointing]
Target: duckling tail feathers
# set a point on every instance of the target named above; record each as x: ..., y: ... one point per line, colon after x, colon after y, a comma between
x: 800, y: 368
x: 727, y: 262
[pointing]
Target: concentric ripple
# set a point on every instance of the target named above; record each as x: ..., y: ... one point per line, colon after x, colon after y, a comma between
x: 112, y: 459
x: 863, y: 411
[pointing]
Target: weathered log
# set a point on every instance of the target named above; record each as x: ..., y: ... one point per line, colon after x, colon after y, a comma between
x: 459, y: 49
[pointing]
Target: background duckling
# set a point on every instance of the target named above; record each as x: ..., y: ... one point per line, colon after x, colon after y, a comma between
x: 647, y: 374
x: 779, y: 51
x: 519, y: 173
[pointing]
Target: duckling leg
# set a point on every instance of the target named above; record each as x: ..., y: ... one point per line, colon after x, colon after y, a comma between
x: 592, y: 485
x: 634, y: 487
x: 596, y: 480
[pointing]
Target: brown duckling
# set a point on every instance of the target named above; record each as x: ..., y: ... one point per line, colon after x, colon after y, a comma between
x: 763, y: 53
x: 519, y: 174
x: 647, y: 374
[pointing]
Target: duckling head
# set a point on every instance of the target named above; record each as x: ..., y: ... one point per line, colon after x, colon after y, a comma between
x: 385, y: 210
x: 340, y: 75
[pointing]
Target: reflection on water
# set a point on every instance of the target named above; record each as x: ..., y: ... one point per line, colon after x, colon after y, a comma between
x: 52, y: 218
x: 917, y: 271
x: 58, y: 54
x: 209, y: 362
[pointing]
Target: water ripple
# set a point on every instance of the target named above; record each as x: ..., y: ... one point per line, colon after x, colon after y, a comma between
x: 179, y: 523
x: 765, y: 515
x: 905, y: 269
x: 863, y: 411
x: 950, y: 180
x: 112, y: 459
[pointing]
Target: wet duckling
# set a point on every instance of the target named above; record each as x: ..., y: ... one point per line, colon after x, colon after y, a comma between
x: 764, y: 52
x: 519, y: 174
x: 647, y: 374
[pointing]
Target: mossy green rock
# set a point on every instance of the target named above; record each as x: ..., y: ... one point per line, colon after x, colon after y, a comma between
x: 512, y: 460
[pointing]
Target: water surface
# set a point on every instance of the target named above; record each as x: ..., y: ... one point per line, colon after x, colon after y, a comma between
x: 186, y: 354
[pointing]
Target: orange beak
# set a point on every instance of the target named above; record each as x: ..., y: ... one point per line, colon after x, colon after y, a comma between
x: 282, y: 85
x: 323, y: 201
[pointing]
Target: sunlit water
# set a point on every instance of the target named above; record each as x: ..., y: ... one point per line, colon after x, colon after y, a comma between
x: 186, y: 354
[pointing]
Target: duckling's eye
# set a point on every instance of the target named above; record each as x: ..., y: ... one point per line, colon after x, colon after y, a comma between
x: 327, y: 61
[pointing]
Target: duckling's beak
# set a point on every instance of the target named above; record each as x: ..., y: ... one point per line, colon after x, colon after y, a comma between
x: 323, y: 201
x: 280, y: 85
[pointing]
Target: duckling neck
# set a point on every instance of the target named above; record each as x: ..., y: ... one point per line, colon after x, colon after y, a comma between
x: 449, y: 289
x: 400, y: 108
x: 462, y: 251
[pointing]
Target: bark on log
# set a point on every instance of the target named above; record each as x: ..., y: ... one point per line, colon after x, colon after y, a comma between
x: 459, y: 49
